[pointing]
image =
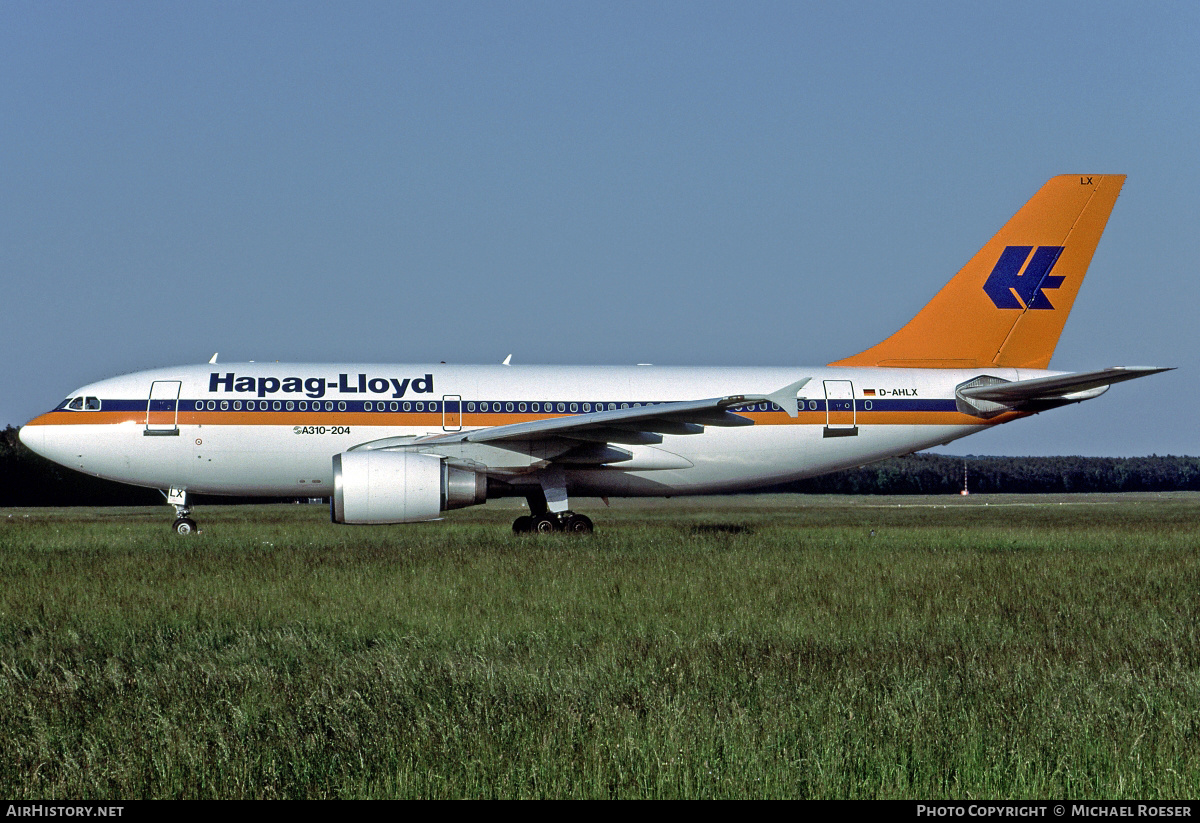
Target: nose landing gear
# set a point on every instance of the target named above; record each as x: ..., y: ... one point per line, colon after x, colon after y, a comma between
x: 184, y: 524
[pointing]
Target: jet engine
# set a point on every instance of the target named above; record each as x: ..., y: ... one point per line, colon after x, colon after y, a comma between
x: 400, y: 487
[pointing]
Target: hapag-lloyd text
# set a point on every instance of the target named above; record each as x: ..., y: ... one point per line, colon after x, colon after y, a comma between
x: 317, y: 386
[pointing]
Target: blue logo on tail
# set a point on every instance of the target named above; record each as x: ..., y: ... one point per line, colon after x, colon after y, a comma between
x: 1008, y: 282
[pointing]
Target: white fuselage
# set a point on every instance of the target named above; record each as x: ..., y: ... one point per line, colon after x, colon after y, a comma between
x: 272, y: 429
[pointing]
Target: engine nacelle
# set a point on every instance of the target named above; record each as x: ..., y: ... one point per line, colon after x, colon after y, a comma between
x: 400, y: 487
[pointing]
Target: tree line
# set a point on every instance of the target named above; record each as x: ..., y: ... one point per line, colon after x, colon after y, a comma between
x: 27, y: 479
x: 941, y: 474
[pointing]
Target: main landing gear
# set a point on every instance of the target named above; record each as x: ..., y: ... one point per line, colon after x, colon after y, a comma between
x: 547, y: 522
x: 184, y: 524
x: 548, y: 510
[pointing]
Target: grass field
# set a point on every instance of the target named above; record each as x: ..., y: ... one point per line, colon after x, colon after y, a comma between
x: 982, y: 647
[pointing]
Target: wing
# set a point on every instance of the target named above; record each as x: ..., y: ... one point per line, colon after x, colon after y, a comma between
x: 637, y: 424
x: 584, y: 439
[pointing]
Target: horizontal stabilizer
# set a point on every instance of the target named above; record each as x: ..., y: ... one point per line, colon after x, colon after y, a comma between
x: 990, y: 395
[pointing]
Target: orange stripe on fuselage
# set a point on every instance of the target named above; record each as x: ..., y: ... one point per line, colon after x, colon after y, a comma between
x: 100, y: 418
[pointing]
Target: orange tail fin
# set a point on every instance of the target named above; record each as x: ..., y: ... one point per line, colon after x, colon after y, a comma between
x: 1008, y: 305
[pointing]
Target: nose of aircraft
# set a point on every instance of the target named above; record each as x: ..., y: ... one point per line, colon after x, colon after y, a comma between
x: 51, y: 442
x: 34, y: 437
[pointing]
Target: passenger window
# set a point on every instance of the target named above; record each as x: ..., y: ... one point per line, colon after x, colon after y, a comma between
x: 224, y: 405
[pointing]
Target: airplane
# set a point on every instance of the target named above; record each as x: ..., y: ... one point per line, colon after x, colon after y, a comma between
x: 404, y: 443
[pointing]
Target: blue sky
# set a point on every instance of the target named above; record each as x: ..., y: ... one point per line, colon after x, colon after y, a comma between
x: 676, y: 183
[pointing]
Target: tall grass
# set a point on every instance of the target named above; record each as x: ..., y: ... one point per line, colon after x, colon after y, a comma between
x: 773, y: 647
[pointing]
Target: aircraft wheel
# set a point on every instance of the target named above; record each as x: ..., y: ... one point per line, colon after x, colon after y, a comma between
x: 545, y: 523
x: 579, y: 524
x: 184, y: 525
x: 523, y: 524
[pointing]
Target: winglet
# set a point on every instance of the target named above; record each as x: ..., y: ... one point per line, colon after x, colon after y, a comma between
x: 784, y: 398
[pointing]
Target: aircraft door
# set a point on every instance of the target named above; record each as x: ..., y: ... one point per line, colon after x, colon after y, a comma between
x: 162, y: 408
x: 451, y: 412
x: 840, y: 417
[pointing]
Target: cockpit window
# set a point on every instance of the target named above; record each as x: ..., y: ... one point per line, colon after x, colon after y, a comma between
x: 82, y: 404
